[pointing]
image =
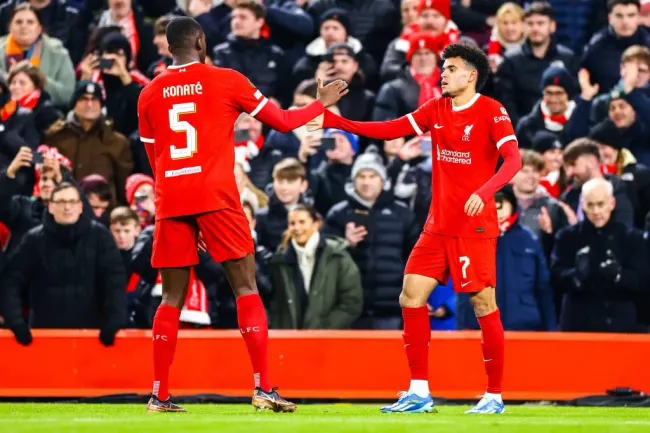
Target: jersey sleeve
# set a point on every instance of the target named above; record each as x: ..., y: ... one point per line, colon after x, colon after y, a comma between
x: 501, y: 130
x: 245, y: 95
x: 144, y: 127
x: 422, y: 118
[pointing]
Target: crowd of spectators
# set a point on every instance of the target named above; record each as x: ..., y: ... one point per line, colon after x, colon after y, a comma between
x: 334, y: 215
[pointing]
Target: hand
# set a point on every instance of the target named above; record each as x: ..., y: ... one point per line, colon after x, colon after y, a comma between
x: 410, y: 150
x: 325, y: 72
x: 330, y: 94
x: 494, y: 60
x: 118, y: 69
x: 23, y: 334
x: 491, y: 21
x: 474, y: 205
x: 199, y: 7
x: 610, y: 268
x: 588, y: 90
x: 466, y: 3
x: 88, y: 65
x: 438, y: 313
x: 316, y: 123
x: 308, y: 147
x: 630, y: 75
x: 571, y: 216
x: 54, y: 165
x: 582, y: 266
x: 201, y: 243
x: 544, y: 221
x: 107, y: 336
x: 354, y: 234
x: 22, y: 159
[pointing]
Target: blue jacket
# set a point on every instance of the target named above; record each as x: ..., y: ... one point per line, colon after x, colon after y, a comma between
x: 443, y: 296
x: 524, y: 294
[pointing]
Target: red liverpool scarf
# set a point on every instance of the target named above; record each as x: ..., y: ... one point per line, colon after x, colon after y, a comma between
x: 507, y: 223
x: 429, y: 85
x: 195, y: 309
x: 28, y: 101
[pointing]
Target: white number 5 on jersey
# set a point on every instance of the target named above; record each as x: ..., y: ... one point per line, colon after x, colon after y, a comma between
x: 178, y: 125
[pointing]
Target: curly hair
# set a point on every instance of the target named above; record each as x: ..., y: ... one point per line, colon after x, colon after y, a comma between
x: 473, y: 57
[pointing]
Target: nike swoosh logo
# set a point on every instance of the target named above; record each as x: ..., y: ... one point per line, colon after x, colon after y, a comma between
x: 464, y: 284
x: 437, y: 126
x: 486, y: 360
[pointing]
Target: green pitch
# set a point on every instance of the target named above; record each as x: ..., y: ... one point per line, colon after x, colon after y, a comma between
x: 333, y: 418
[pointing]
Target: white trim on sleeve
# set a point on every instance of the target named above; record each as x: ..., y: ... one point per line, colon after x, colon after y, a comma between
x: 147, y: 140
x: 505, y: 140
x: 414, y: 124
x: 259, y: 107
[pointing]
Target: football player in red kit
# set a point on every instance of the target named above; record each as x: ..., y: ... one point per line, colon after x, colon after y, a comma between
x: 186, y: 119
x: 469, y: 131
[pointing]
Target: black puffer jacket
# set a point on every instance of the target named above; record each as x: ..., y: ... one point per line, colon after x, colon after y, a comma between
x: 73, y: 277
x: 397, y: 98
x: 272, y: 223
x: 517, y: 81
x: 260, y: 60
x: 381, y: 256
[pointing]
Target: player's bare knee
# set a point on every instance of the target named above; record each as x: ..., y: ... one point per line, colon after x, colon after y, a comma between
x: 484, y: 302
x: 415, y: 291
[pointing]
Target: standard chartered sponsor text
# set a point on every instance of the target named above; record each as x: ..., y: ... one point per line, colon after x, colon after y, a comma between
x: 455, y: 157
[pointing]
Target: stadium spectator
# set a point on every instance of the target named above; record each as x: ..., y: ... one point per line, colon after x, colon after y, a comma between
x: 546, y: 144
x: 380, y: 233
x: 68, y: 271
x: 138, y: 32
x: 621, y: 162
x: 160, y: 41
x: 635, y: 76
x: 601, y: 266
x: 87, y: 138
x: 247, y: 191
x: 327, y: 183
x: 214, y: 18
x: 524, y: 295
x: 419, y: 82
x: 553, y: 112
x: 140, y: 197
x: 376, y: 22
x: 60, y: 20
x: 120, y: 84
x: 316, y: 283
x: 26, y: 41
x: 577, y: 21
x: 602, y: 56
x: 475, y: 18
x: 124, y: 225
x: 246, y: 51
x: 359, y: 102
x: 335, y: 27
x: 543, y: 215
x: 442, y: 308
x: 434, y: 18
x: 516, y: 83
x: 507, y: 33
x: 99, y: 195
x: 289, y: 187
x: 409, y: 12
x: 582, y: 163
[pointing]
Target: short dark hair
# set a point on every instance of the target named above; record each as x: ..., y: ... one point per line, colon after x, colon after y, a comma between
x: 63, y: 186
x: 253, y: 6
x: 612, y: 3
x: 307, y: 88
x: 579, y: 147
x: 473, y: 57
x: 290, y: 169
x: 103, y: 191
x: 182, y: 32
x: 35, y: 75
x: 123, y: 215
x: 539, y: 8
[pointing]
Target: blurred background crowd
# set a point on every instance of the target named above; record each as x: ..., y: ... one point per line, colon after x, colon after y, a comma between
x: 334, y: 215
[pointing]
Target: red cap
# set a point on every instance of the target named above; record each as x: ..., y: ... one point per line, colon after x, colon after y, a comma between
x: 133, y: 182
x: 425, y: 40
x: 442, y: 6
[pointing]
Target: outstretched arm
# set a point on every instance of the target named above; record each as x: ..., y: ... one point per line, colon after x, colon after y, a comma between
x: 386, y: 130
x: 286, y: 120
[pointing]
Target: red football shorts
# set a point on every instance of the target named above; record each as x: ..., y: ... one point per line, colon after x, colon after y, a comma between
x: 471, y: 262
x: 226, y: 232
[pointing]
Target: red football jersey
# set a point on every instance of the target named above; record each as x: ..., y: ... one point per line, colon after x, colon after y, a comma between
x: 188, y: 112
x: 467, y: 141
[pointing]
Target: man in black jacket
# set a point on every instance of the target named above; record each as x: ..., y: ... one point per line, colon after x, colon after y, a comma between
x: 601, y: 267
x: 70, y: 270
x: 582, y: 164
x: 518, y: 77
x: 246, y: 51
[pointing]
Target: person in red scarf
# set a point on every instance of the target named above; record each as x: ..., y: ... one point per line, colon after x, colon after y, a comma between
x: 434, y: 17
x: 419, y: 82
x: 553, y: 111
x: 553, y: 179
x: 507, y: 33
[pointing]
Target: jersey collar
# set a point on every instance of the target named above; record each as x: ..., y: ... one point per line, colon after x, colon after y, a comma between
x: 467, y: 104
x: 182, y: 66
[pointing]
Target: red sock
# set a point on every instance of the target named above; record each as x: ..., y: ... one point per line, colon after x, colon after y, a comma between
x: 253, y: 326
x: 165, y: 333
x: 417, y: 335
x: 492, y: 343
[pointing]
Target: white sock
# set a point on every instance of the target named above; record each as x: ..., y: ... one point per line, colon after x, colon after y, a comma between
x: 420, y: 388
x: 496, y: 397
